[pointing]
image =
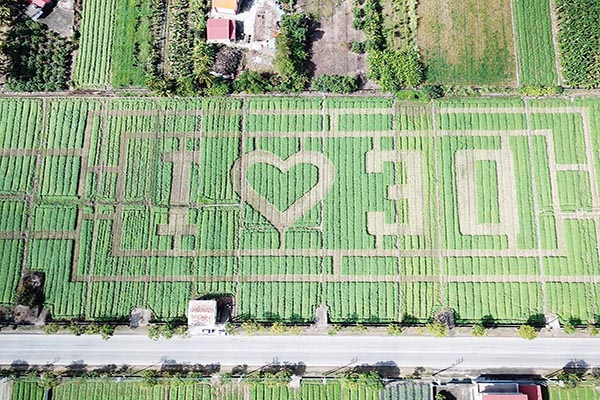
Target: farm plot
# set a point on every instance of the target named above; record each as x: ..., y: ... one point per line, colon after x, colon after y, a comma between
x: 383, y: 211
x: 115, y: 44
x: 467, y: 42
x: 536, y: 56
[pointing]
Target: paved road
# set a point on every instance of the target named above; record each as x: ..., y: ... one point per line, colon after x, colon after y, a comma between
x: 314, y: 351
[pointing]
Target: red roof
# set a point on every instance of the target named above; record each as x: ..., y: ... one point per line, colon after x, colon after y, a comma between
x: 502, y: 396
x: 533, y: 392
x: 220, y: 29
x: 40, y: 3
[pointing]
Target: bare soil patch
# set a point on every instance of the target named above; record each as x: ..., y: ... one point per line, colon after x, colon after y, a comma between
x: 333, y: 37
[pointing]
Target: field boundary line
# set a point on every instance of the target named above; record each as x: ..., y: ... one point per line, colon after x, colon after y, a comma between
x: 242, y: 148
x: 516, y: 46
x: 30, y: 198
x: 438, y: 228
x: 395, y: 106
x: 554, y: 28
x: 536, y: 207
x: 317, y: 278
x: 101, y: 139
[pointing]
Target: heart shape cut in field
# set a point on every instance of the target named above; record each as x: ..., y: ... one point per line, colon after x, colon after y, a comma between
x: 282, y: 219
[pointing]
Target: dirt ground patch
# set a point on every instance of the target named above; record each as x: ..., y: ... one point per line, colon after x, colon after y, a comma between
x: 331, y: 53
x: 467, y: 41
x: 61, y: 19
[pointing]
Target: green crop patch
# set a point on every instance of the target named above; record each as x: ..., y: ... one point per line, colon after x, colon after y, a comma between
x: 380, y: 210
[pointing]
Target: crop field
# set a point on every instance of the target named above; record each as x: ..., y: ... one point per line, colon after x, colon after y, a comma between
x: 581, y: 392
x: 114, y: 44
x: 467, y: 42
x: 536, y: 57
x: 135, y: 390
x: 488, y: 43
x: 381, y: 210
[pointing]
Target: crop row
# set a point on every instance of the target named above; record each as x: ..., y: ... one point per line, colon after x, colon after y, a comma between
x: 17, y: 116
x: 94, y: 56
x: 506, y: 302
x: 536, y: 58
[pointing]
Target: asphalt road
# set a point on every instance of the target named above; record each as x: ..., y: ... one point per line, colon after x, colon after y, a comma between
x: 460, y: 353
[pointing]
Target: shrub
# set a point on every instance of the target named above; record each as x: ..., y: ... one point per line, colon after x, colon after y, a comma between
x: 540, y: 90
x: 394, y: 330
x: 154, y: 332
x: 230, y: 329
x: 478, y: 330
x: 433, y: 91
x: 527, y: 332
x: 295, y: 330
x: 395, y: 70
x: 250, y: 327
x: 333, y: 330
x: 355, y: 380
x: 253, y: 82
x: 359, y: 328
x: 93, y: 329
x: 219, y: 87
x: 107, y: 331
x: 76, y: 329
x: 278, y: 328
x: 438, y: 329
x: 335, y: 84
x: 357, y: 47
x: 593, y: 330
x: 150, y: 378
x: 569, y: 328
x: 51, y: 328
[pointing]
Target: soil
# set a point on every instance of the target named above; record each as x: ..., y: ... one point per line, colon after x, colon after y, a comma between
x: 332, y: 38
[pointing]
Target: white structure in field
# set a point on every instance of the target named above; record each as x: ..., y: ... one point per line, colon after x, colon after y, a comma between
x: 202, y: 316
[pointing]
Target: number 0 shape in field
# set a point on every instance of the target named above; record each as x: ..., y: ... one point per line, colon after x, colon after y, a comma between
x: 282, y: 219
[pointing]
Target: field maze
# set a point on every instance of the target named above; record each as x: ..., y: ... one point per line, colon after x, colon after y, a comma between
x: 381, y: 210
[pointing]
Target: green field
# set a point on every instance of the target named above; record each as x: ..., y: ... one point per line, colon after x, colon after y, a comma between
x: 467, y: 42
x: 384, y: 211
x: 188, y: 390
x: 581, y: 392
x: 536, y: 59
x: 115, y: 44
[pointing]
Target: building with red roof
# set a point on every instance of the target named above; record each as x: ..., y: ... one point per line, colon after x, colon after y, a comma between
x: 220, y: 30
x: 512, y: 391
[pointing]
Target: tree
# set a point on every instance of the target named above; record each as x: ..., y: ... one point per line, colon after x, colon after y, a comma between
x: 291, y: 52
x: 527, y: 332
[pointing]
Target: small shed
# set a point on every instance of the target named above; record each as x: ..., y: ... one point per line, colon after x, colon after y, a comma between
x: 226, y: 6
x: 202, y: 316
x: 220, y: 30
